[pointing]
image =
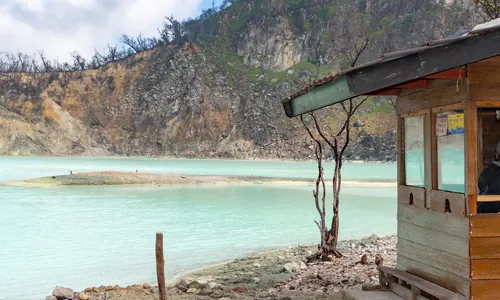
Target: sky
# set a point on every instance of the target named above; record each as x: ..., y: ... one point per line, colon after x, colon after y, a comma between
x: 59, y: 27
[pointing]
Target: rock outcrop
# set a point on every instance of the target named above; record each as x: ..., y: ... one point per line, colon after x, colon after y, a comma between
x: 219, y: 95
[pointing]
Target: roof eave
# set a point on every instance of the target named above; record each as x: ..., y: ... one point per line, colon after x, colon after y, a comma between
x: 332, y: 92
x: 376, y: 77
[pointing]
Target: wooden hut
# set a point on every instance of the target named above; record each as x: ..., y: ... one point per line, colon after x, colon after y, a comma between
x: 448, y: 116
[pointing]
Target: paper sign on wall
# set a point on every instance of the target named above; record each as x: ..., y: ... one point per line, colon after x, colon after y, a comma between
x: 456, y: 124
x: 442, y: 125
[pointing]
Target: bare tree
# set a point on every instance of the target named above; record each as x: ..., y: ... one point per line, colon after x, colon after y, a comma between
x: 173, y: 32
x: 46, y: 65
x: 320, y: 183
x: 79, y: 63
x: 488, y: 9
x: 337, y: 137
x: 338, y: 143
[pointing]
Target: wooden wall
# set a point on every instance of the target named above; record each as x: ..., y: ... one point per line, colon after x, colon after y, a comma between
x: 484, y: 87
x: 434, y: 246
x: 439, y: 92
x: 485, y: 256
x: 483, y: 80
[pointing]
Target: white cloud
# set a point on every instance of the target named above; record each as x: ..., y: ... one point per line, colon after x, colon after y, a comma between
x: 62, y: 26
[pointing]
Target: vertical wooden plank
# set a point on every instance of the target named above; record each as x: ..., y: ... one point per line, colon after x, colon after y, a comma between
x: 382, y: 280
x: 434, y: 159
x: 415, y: 292
x: 400, y: 149
x: 428, y: 156
x: 471, y: 156
x: 160, y: 266
x: 480, y: 161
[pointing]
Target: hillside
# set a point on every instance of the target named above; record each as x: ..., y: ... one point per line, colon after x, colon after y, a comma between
x: 219, y: 95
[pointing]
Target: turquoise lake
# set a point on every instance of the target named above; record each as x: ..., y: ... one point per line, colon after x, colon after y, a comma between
x: 90, y: 236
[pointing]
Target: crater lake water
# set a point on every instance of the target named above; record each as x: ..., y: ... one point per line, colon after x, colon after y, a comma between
x: 105, y: 235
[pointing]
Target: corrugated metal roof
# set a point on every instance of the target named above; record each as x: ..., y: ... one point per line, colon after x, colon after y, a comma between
x: 460, y: 35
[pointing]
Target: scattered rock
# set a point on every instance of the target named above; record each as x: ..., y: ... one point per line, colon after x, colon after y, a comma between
x: 51, y: 297
x: 216, y: 294
x: 95, y: 289
x: 109, y: 288
x: 195, y: 285
x: 257, y: 265
x: 205, y: 292
x: 62, y: 293
x: 145, y: 286
x: 358, y: 124
x: 117, y: 287
x: 192, y: 291
x: 303, y: 265
x: 358, y: 279
x: 364, y: 259
x: 292, y: 267
x: 84, y: 296
x: 239, y: 290
x: 255, y: 280
x: 182, y: 286
x: 76, y: 296
x: 88, y: 290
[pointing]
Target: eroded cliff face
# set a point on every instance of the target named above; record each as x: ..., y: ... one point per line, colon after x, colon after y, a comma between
x: 217, y: 97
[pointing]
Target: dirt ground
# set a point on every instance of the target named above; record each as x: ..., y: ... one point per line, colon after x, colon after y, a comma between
x: 140, y: 178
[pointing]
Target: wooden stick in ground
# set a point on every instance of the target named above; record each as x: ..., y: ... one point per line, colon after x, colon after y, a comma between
x: 160, y: 266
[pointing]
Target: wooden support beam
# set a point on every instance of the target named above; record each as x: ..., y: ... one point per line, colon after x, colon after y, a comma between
x: 471, y: 156
x: 417, y: 84
x: 450, y: 74
x: 400, y: 150
x: 428, y: 128
x: 396, y: 90
x: 391, y: 92
x: 160, y: 266
x: 488, y: 104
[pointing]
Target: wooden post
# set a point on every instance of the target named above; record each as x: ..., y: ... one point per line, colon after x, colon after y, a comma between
x: 382, y: 280
x: 470, y: 157
x: 400, y: 149
x: 415, y: 292
x: 428, y: 128
x: 160, y: 266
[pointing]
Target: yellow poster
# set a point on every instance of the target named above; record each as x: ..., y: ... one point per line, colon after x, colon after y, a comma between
x: 456, y: 124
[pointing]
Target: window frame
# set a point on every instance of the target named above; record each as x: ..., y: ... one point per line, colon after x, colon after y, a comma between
x: 491, y: 104
x: 423, y: 114
x: 434, y: 147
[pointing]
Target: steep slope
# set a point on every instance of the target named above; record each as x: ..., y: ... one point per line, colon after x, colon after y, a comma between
x: 218, y: 96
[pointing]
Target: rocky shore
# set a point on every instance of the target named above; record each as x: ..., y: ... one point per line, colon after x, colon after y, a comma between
x: 139, y: 178
x: 281, y: 274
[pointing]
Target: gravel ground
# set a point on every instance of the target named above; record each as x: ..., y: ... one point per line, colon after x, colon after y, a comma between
x: 281, y: 274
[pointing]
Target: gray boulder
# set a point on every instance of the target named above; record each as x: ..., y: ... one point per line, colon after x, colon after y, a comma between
x: 62, y: 293
x: 292, y: 267
x: 182, y: 286
x: 195, y: 285
x: 51, y: 297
